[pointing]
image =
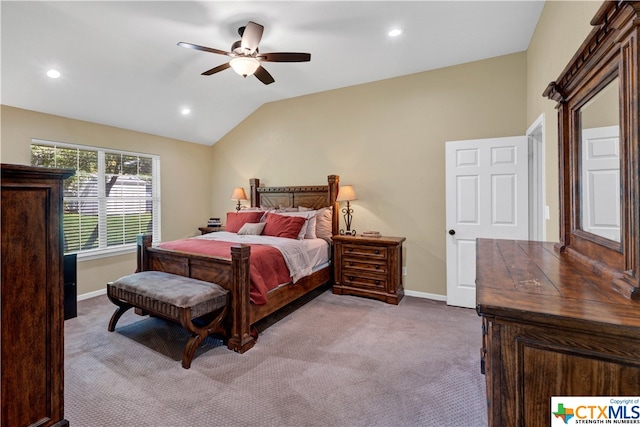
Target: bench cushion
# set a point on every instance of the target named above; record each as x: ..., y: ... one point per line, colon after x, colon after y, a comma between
x: 179, y: 291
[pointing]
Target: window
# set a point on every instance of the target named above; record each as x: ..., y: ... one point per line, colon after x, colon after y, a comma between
x: 113, y: 196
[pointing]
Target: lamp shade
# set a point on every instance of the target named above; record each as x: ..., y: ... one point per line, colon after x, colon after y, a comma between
x: 346, y: 193
x: 238, y: 194
x: 245, y: 66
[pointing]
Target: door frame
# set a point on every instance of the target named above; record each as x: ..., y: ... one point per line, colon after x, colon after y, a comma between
x: 538, y: 211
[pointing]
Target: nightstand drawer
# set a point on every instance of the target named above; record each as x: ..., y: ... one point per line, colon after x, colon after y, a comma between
x: 368, y: 251
x: 357, y: 280
x: 364, y: 265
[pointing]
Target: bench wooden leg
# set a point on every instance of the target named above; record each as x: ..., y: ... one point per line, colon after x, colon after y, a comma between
x: 199, y: 333
x: 120, y: 310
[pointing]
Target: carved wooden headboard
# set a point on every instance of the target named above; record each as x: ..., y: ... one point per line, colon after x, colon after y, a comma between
x: 309, y: 196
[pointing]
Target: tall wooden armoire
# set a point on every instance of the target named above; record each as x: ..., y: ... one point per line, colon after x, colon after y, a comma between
x: 32, y: 296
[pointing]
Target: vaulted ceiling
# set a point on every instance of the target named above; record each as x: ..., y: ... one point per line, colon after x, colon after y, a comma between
x: 120, y: 64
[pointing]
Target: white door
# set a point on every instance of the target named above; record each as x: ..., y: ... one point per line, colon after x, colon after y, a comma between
x: 486, y: 196
x: 601, y: 181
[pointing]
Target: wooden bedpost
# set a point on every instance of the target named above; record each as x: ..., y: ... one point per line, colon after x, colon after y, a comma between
x: 334, y: 181
x: 240, y: 339
x: 143, y: 241
x: 254, y: 183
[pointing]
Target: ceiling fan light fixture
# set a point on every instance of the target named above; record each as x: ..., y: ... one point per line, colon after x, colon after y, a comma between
x: 245, y: 66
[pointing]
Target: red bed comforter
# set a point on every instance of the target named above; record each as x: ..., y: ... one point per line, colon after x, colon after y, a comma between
x: 267, y: 268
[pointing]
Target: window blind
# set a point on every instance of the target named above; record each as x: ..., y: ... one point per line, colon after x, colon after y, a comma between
x: 113, y: 196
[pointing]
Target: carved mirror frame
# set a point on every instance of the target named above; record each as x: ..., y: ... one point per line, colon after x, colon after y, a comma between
x: 610, y: 51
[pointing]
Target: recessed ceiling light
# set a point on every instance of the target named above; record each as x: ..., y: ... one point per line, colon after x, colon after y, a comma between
x: 54, y: 74
x: 185, y: 111
x: 395, y: 32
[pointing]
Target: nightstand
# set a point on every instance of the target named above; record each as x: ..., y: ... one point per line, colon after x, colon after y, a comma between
x: 205, y: 230
x: 369, y: 267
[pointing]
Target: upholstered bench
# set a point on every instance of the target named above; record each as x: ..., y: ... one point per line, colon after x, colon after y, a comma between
x: 176, y: 298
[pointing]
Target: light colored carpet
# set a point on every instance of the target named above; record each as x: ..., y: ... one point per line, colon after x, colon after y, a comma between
x: 335, y: 361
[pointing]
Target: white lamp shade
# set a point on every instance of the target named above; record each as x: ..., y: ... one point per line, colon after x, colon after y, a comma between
x: 346, y: 193
x: 238, y: 194
x: 245, y: 66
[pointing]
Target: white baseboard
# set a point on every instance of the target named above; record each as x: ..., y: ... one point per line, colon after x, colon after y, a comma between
x: 92, y: 294
x: 425, y: 295
x: 408, y: 293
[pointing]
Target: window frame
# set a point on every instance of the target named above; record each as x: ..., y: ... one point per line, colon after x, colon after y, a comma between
x: 108, y: 251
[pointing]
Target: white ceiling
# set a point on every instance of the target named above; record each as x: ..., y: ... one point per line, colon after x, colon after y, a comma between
x: 121, y: 66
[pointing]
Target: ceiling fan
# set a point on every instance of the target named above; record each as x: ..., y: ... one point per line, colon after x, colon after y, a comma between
x: 245, y: 57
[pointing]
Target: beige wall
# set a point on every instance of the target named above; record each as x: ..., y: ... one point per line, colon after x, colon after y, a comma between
x: 387, y: 139
x: 561, y: 30
x: 185, y: 182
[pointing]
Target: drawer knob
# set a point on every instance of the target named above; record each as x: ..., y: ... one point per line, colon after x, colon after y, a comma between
x: 350, y: 249
x: 377, y: 282
x: 351, y: 264
x: 377, y: 267
x: 377, y: 251
x: 351, y: 278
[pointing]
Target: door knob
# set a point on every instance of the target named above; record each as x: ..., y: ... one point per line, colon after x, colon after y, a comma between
x: 452, y: 232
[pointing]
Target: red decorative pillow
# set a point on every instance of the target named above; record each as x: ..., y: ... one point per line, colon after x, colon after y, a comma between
x: 235, y: 220
x: 283, y: 226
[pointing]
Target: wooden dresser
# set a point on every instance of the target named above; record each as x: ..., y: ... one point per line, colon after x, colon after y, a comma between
x: 369, y: 267
x: 551, y: 327
x: 563, y: 319
x: 32, y: 296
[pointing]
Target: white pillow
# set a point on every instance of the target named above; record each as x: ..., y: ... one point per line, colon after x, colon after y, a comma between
x: 252, y: 229
x: 324, y: 226
x: 311, y: 228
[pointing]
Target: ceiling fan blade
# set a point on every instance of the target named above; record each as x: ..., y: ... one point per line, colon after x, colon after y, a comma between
x: 216, y: 69
x: 202, y: 48
x: 285, y: 57
x: 263, y: 75
x: 251, y: 37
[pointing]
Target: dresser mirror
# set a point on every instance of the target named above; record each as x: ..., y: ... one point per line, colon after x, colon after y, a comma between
x: 600, y: 165
x: 597, y: 103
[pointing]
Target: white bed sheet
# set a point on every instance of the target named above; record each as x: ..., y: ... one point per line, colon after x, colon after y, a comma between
x: 302, y: 257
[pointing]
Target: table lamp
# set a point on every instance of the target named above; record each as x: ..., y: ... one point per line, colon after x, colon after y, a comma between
x: 238, y: 195
x: 346, y: 193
